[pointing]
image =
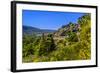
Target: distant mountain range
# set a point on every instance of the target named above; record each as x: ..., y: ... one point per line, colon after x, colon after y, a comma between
x: 33, y: 30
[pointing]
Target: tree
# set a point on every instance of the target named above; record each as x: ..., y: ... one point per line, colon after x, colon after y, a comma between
x: 42, y: 46
x: 52, y: 45
x: 84, y: 20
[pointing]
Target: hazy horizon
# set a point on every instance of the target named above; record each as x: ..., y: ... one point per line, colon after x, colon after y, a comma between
x: 39, y: 28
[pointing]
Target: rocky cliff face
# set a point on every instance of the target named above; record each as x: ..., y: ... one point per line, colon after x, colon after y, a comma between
x: 65, y: 29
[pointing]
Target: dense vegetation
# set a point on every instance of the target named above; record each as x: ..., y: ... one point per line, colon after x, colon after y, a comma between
x: 70, y: 42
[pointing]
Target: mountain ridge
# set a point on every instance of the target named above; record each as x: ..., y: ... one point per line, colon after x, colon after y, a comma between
x: 30, y: 30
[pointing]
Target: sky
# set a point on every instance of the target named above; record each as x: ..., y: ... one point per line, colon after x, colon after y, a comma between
x: 48, y: 19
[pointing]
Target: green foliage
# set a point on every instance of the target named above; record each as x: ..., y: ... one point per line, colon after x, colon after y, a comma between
x: 72, y: 37
x: 84, y: 20
x: 67, y: 45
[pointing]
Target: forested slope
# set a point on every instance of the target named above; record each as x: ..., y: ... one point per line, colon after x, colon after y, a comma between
x: 70, y: 42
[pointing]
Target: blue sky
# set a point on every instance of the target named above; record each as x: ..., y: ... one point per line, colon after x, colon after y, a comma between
x: 48, y: 19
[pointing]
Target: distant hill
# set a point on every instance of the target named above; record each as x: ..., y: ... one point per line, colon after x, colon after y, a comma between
x: 33, y: 30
